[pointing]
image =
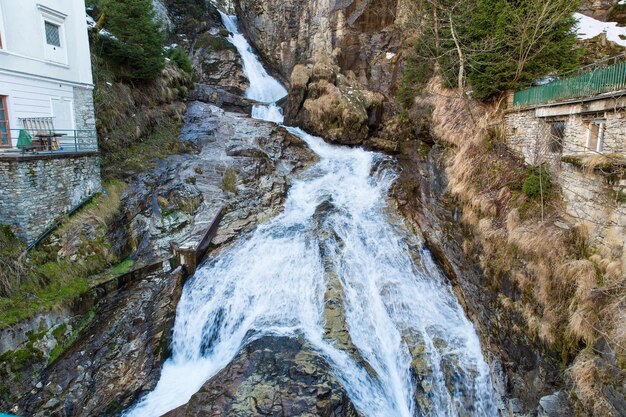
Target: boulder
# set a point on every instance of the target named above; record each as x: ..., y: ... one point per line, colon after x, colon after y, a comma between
x: 272, y: 376
x: 331, y: 105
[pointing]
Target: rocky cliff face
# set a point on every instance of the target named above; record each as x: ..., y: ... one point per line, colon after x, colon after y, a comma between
x: 598, y: 9
x: 354, y: 34
x: 523, y: 371
x: 116, y: 359
x: 342, y: 59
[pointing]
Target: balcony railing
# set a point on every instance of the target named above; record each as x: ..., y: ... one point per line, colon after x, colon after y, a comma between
x: 27, y: 141
x: 599, y: 78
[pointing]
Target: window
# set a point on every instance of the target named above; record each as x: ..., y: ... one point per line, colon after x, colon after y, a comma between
x: 595, y: 136
x: 53, y: 34
x: 557, y: 134
x: 5, y: 132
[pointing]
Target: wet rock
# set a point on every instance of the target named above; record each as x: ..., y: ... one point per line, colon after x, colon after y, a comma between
x: 272, y: 376
x: 241, y: 164
x: 116, y: 359
x: 217, y: 62
x: 197, y: 28
x: 554, y: 405
x: 222, y: 98
x: 361, y: 36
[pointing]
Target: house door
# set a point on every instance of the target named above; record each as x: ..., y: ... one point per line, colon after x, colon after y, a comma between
x: 5, y: 132
x: 63, y: 114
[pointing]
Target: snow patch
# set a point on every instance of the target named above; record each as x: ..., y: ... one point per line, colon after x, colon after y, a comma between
x: 588, y: 28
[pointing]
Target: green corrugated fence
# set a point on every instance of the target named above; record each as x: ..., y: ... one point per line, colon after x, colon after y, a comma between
x: 598, y: 80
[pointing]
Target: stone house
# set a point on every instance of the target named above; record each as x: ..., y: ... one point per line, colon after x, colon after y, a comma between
x: 46, y: 109
x: 550, y: 132
x: 583, y: 140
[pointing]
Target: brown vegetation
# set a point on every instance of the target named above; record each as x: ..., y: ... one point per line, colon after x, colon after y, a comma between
x: 572, y: 295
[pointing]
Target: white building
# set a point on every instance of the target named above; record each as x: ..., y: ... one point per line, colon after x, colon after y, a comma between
x: 45, y: 66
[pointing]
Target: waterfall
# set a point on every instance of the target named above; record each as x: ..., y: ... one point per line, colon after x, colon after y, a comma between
x: 273, y: 282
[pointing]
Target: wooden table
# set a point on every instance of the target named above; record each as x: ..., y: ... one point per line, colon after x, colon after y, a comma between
x: 51, y: 137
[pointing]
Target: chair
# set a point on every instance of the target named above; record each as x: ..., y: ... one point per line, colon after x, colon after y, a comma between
x: 43, y: 129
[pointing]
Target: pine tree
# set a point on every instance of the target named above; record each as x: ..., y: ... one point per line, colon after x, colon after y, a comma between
x: 137, y: 42
x: 498, y: 45
x: 514, y: 43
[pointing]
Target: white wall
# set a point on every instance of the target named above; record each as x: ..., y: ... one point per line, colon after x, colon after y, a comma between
x: 24, y: 47
x: 34, y: 98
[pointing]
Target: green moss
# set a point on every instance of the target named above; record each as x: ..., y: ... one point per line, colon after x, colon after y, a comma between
x: 161, y: 142
x: 123, y: 267
x: 62, y: 345
x: 19, y: 360
x: 229, y: 182
x: 59, y: 331
x: 30, y: 301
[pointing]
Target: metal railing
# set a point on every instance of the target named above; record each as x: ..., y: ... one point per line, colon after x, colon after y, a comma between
x: 49, y: 141
x: 601, y: 77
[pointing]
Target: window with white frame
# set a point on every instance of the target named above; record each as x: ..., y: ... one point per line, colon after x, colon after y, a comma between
x: 595, y: 135
x: 53, y: 31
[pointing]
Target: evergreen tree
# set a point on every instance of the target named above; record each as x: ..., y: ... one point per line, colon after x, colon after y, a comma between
x: 497, y: 45
x: 137, y: 42
x: 514, y: 43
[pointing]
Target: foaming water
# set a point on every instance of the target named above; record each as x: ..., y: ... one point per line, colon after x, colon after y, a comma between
x: 273, y: 282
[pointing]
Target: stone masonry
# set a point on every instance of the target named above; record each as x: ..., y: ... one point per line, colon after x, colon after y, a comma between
x: 528, y: 130
x: 84, y: 114
x: 37, y: 189
x: 591, y: 199
x: 83, y: 109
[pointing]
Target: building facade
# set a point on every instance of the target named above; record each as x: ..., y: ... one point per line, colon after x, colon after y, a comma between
x: 583, y: 142
x: 45, y: 66
x: 49, y: 162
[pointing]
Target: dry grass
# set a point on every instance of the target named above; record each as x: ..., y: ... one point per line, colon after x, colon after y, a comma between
x: 573, y: 296
x: 601, y: 161
x: 589, y: 375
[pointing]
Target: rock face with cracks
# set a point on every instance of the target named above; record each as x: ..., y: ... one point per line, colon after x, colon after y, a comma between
x: 118, y: 357
x: 272, y: 376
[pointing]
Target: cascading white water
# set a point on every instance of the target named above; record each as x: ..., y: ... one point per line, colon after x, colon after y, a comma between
x: 274, y: 281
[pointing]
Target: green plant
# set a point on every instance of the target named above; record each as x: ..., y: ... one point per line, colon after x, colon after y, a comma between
x: 418, y: 69
x: 134, y: 41
x: 499, y: 45
x: 538, y: 182
x: 181, y: 59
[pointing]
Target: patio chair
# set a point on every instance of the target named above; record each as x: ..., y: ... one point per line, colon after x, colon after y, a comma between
x: 41, y: 128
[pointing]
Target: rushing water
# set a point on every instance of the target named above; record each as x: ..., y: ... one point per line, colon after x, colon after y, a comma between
x: 274, y: 281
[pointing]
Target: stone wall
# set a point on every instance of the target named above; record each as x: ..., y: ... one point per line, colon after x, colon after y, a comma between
x: 84, y: 109
x: 528, y: 131
x: 589, y: 198
x: 36, y: 189
x: 521, y: 132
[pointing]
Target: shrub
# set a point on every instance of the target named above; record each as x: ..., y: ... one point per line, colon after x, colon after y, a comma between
x: 538, y: 182
x: 181, y: 59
